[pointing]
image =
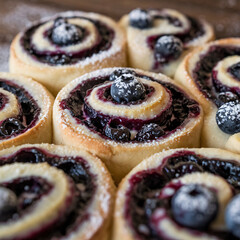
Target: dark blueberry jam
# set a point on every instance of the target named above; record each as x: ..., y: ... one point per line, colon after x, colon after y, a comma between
x: 196, y: 30
x: 143, y: 196
x: 76, y: 168
x: 207, y: 79
x: 3, y: 101
x: 29, y: 111
x: 60, y: 57
x: 28, y: 191
x: 175, y: 115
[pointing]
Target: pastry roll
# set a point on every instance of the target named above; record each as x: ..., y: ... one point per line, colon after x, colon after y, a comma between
x: 25, y: 111
x: 53, y: 192
x: 124, y: 115
x: 180, y: 194
x: 211, y: 74
x: 159, y: 39
x: 56, y: 50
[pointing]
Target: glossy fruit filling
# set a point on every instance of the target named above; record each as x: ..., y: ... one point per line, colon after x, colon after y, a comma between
x: 60, y: 57
x: 29, y: 111
x: 143, y: 196
x: 75, y: 167
x: 207, y: 79
x: 174, y: 116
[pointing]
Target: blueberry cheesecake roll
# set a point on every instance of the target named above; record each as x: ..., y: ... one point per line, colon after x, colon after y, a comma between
x: 123, y: 115
x: 180, y: 194
x: 25, y: 111
x: 50, y: 192
x: 159, y: 39
x: 56, y: 50
x: 212, y: 74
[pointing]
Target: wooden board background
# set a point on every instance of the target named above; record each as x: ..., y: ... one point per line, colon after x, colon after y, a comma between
x: 16, y: 14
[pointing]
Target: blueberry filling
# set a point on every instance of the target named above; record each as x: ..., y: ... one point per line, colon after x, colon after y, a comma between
x: 30, y: 190
x: 29, y: 112
x: 64, y: 33
x: 143, y: 196
x: 22, y: 194
x: 149, y: 131
x: 8, y: 204
x: 235, y: 71
x: 106, y: 36
x: 180, y: 41
x: 118, y: 133
x: 206, y: 78
x: 3, y: 101
x: 172, y: 117
x: 194, y: 206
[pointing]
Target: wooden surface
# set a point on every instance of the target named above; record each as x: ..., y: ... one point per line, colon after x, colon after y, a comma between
x: 16, y: 14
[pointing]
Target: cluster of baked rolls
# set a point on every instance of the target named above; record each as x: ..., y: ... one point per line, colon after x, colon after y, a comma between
x: 89, y: 101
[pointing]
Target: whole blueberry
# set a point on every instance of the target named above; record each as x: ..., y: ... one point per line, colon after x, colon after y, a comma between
x: 119, y: 133
x: 232, y: 216
x: 235, y: 70
x: 8, y: 203
x: 140, y: 18
x: 149, y: 131
x: 228, y: 117
x: 168, y: 48
x: 225, y: 97
x: 127, y: 89
x: 121, y: 73
x: 64, y: 33
x: 194, y: 206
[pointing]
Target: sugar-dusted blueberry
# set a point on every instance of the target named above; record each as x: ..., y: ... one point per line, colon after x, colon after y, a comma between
x: 11, y: 126
x: 140, y: 18
x: 64, y: 33
x: 228, y: 117
x: 121, y: 73
x: 8, y: 203
x: 194, y: 206
x: 232, y: 216
x: 167, y: 48
x: 127, y: 89
x: 235, y: 70
x: 118, y: 133
x: 225, y: 97
x: 149, y: 131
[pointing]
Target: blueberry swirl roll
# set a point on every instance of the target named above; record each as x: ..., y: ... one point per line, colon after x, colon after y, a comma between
x: 25, y: 111
x: 180, y: 194
x: 159, y: 39
x: 50, y: 192
x: 123, y: 115
x: 56, y: 50
x: 211, y: 73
